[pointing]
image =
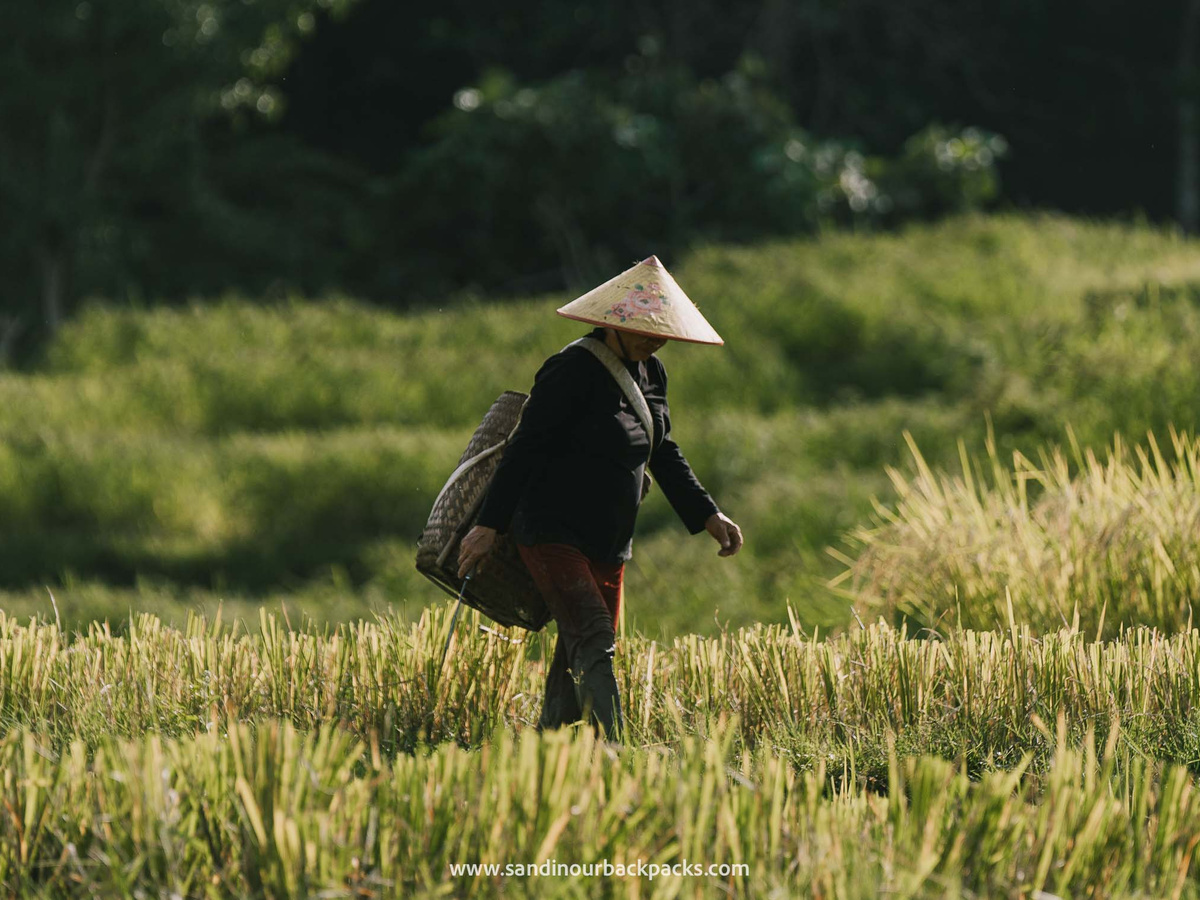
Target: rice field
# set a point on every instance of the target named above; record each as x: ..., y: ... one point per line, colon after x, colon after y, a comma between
x: 1098, y: 540
x: 273, y: 811
x: 221, y: 760
x: 234, y: 683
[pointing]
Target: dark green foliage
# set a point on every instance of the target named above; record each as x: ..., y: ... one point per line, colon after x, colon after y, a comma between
x: 621, y: 166
x: 148, y: 164
x: 119, y: 170
x: 162, y: 149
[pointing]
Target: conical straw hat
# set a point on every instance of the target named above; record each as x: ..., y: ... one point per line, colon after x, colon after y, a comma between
x: 644, y: 300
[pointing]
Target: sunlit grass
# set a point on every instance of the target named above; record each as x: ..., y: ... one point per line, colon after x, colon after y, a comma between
x: 974, y: 695
x: 1068, y: 537
x: 255, y: 759
x: 272, y: 811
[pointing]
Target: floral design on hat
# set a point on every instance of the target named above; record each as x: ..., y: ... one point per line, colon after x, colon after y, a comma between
x: 643, y: 300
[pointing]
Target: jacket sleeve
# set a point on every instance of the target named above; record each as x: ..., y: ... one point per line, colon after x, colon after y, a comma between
x: 674, y: 475
x: 558, y: 396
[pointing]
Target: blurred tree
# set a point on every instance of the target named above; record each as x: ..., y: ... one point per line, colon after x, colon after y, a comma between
x: 1084, y: 93
x: 146, y: 147
x: 649, y: 161
x: 1188, y: 178
x: 621, y: 167
x: 103, y: 115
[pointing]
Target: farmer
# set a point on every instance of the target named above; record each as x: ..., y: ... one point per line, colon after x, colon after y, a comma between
x: 572, y: 478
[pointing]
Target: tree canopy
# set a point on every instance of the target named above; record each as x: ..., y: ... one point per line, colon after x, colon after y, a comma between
x: 156, y: 149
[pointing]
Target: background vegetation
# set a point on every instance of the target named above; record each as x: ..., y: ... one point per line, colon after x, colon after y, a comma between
x: 268, y: 261
x: 172, y: 149
x: 167, y: 459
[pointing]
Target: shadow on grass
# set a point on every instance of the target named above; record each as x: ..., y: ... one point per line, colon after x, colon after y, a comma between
x: 35, y: 558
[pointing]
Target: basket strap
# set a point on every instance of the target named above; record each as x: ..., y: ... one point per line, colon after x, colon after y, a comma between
x: 465, y: 467
x: 624, y: 380
x: 479, y: 457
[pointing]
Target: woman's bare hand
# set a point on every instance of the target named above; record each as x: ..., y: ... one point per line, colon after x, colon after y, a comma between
x: 726, y: 533
x: 477, y: 544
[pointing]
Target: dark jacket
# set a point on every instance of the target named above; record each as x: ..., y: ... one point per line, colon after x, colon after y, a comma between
x: 572, y: 472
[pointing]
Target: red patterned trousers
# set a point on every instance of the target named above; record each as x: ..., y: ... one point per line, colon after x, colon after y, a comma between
x: 584, y: 597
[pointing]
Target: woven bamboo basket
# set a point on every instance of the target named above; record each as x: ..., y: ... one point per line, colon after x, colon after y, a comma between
x: 502, y: 588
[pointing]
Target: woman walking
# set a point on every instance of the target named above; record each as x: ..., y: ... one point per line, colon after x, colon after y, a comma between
x: 573, y: 476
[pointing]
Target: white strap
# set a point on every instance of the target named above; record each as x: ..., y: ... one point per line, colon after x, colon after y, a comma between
x: 624, y: 380
x: 458, y: 473
x: 478, y: 458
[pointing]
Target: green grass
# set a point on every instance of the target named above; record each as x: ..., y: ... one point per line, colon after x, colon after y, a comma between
x: 233, y: 451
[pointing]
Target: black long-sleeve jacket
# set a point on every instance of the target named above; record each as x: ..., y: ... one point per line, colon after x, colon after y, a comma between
x: 572, y: 472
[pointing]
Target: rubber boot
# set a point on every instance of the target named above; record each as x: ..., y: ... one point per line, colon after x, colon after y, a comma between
x: 561, y: 704
x: 596, y: 686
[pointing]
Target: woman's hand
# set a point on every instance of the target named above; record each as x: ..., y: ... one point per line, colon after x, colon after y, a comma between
x: 726, y: 533
x: 474, y: 547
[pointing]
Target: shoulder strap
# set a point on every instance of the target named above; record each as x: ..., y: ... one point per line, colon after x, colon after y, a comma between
x: 468, y: 464
x: 624, y: 380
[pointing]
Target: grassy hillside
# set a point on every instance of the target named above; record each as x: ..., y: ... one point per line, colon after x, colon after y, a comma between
x: 243, y: 453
